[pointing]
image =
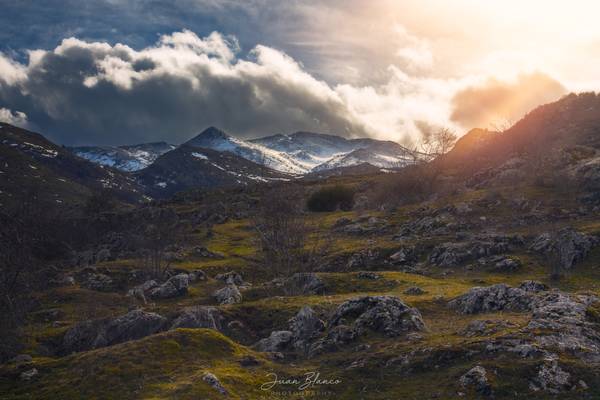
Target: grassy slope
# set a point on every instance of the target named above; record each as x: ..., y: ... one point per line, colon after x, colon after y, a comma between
x: 170, y: 365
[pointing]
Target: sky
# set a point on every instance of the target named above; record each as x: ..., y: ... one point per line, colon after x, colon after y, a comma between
x: 111, y: 72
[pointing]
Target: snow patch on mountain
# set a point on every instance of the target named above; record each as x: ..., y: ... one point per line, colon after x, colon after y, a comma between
x: 125, y: 158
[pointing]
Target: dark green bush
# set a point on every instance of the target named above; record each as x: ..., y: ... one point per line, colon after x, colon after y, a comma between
x: 331, y: 198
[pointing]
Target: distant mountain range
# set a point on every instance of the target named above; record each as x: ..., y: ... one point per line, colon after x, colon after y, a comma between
x: 298, y: 153
x: 125, y: 158
x: 547, y: 136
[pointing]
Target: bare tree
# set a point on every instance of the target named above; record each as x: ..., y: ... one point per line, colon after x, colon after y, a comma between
x: 286, y: 241
x: 435, y: 143
x: 162, y: 230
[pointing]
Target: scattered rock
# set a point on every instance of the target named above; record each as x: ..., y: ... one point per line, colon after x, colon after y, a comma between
x: 552, y: 379
x: 98, y: 282
x: 414, y: 291
x: 533, y: 286
x: 214, y: 382
x: 493, y: 298
x: 403, y: 256
x: 203, y: 252
x: 175, y: 286
x: 385, y: 314
x: 29, y: 374
x: 230, y: 294
x: 231, y: 277
x: 453, y: 254
x: 197, y: 275
x: 277, y: 341
x: 249, y: 361
x: 476, y: 378
x: 22, y: 359
x: 305, y: 327
x: 93, y: 334
x: 303, y: 283
x: 140, y: 292
x: 198, y: 317
x: 486, y: 327
x: 568, y: 245
x: 507, y: 264
x: 368, y: 275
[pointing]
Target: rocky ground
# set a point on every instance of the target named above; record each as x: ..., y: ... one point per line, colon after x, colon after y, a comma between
x: 450, y: 298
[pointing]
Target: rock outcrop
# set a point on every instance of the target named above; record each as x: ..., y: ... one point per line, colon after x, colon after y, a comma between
x: 568, y: 245
x: 230, y: 294
x: 198, y: 317
x: 476, y: 378
x: 499, y: 297
x: 93, y: 334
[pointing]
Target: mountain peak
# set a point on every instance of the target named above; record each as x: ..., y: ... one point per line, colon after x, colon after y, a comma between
x: 213, y: 132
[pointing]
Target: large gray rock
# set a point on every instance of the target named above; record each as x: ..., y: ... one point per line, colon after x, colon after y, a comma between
x: 476, y: 378
x: 305, y: 327
x: 303, y: 283
x: 97, y: 281
x: 384, y: 314
x: 230, y: 294
x: 94, y: 334
x: 568, y: 245
x: 453, y: 254
x: 175, y: 286
x: 214, y: 382
x: 198, y: 317
x: 561, y: 322
x: 277, y: 341
x: 493, y: 298
x: 551, y: 378
x: 231, y: 277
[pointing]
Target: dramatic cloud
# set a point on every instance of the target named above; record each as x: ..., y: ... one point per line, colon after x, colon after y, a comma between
x: 499, y: 103
x: 381, y: 68
x: 94, y: 92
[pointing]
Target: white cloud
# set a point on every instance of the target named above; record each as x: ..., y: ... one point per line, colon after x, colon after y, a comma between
x: 16, y: 118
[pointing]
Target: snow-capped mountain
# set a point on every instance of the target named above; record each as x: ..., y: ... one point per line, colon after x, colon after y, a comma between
x: 125, y: 158
x: 189, y: 167
x: 303, y: 152
x: 298, y: 153
x: 388, y: 155
x: 216, y: 139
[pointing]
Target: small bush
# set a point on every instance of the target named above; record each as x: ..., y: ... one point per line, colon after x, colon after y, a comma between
x: 331, y: 198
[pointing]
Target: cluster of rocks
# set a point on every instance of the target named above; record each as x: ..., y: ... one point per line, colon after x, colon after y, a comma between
x: 429, y: 224
x: 203, y: 252
x: 500, y: 297
x: 452, y: 254
x: 362, y: 259
x: 567, y: 245
x: 90, y: 279
x: 136, y: 324
x: 302, y: 329
x: 486, y: 327
x: 231, y: 293
x: 365, y: 225
x: 386, y: 315
x: 300, y: 283
x: 175, y: 286
x: 93, y: 334
x: 476, y: 379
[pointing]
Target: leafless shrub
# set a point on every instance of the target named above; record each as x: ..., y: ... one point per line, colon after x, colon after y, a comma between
x: 162, y: 230
x: 286, y: 241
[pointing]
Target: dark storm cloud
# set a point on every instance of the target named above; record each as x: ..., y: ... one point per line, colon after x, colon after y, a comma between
x: 98, y: 93
x: 497, y: 102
